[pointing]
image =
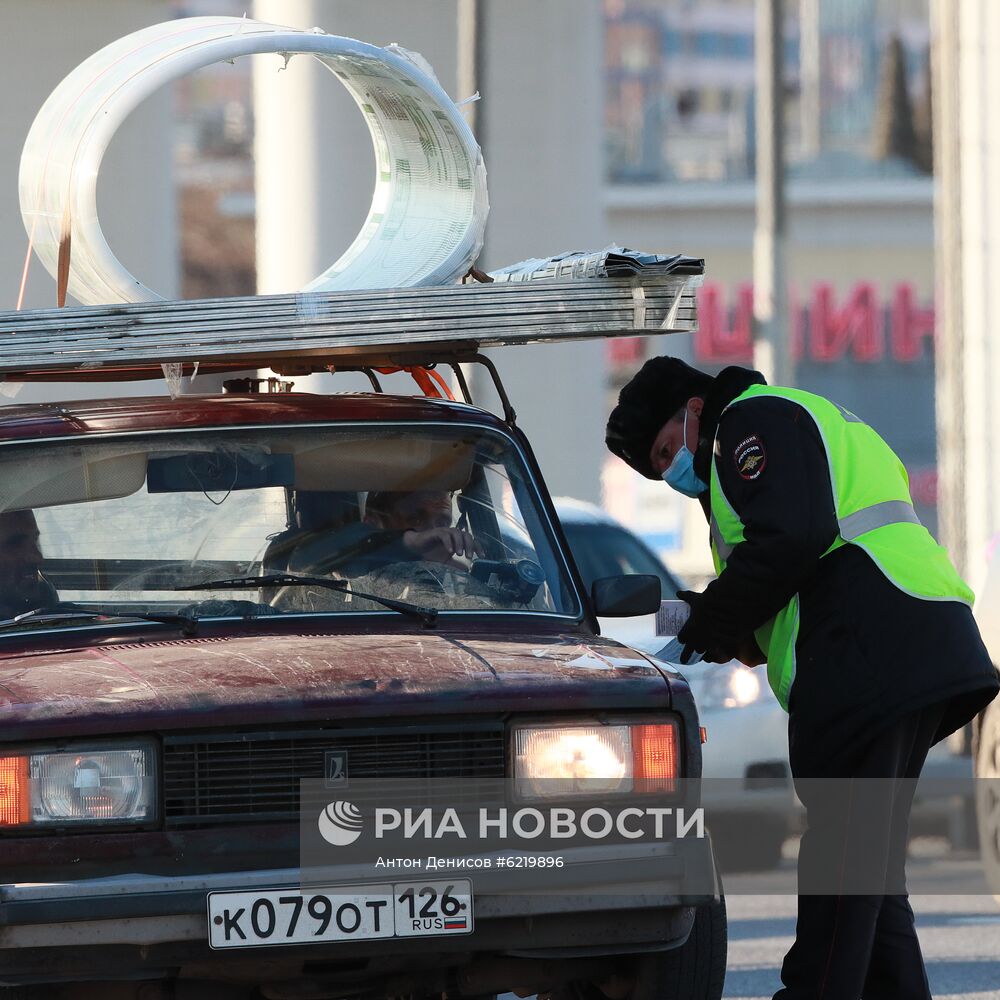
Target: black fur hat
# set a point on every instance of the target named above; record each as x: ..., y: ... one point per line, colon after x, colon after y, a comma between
x: 654, y: 394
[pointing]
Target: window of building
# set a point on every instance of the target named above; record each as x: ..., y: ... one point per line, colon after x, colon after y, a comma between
x: 872, y: 100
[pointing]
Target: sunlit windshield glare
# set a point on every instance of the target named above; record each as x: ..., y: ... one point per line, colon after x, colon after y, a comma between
x: 445, y: 518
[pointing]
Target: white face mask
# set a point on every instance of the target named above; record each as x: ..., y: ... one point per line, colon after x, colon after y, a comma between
x: 681, y: 475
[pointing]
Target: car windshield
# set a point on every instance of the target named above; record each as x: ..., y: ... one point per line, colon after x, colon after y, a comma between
x: 602, y: 550
x: 446, y: 518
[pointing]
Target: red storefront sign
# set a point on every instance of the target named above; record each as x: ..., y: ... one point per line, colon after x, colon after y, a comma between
x: 857, y: 325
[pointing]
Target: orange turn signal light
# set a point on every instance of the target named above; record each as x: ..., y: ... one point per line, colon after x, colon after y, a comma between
x: 654, y: 757
x: 15, y: 796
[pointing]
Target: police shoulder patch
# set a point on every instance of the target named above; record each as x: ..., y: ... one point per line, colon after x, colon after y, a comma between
x: 750, y: 457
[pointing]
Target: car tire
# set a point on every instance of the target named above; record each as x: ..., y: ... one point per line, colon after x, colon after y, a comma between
x: 694, y: 971
x: 988, y: 794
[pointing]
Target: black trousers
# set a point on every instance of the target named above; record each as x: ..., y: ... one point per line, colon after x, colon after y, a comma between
x: 851, y: 939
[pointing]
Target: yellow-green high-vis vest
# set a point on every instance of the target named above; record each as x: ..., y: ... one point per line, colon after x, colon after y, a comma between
x: 871, y: 492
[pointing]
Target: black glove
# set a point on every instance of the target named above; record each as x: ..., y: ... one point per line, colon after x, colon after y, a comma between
x: 706, y: 632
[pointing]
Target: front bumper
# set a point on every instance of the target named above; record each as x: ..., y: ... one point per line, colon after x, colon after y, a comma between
x: 149, y: 926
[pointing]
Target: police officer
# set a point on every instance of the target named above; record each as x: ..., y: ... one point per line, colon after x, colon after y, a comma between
x: 825, y: 571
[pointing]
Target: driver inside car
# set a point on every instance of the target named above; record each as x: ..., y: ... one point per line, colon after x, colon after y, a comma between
x: 398, y: 527
x: 405, y: 547
x: 22, y: 585
x: 424, y: 517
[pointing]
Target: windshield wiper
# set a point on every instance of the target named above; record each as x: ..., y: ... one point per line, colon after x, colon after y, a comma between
x: 188, y: 624
x: 428, y: 616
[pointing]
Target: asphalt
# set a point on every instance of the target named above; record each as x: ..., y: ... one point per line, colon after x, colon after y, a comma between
x: 958, y: 924
x: 959, y: 936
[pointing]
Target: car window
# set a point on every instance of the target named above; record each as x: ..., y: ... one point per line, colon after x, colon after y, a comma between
x: 602, y: 550
x: 443, y: 517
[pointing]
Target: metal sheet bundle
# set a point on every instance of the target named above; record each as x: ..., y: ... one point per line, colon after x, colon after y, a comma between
x: 307, y: 331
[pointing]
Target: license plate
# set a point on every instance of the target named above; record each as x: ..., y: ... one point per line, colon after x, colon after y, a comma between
x: 339, y: 913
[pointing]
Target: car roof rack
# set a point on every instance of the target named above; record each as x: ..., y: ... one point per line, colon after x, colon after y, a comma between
x: 308, y: 332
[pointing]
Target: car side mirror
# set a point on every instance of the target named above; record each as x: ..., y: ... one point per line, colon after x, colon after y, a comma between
x: 626, y: 596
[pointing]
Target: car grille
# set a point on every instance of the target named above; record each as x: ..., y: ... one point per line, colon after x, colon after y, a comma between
x: 210, y: 780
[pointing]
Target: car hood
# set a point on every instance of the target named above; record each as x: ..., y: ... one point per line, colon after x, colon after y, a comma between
x: 637, y: 633
x: 234, y: 680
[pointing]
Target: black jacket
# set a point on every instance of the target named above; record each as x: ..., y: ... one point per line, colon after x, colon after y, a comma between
x: 39, y: 594
x: 867, y: 653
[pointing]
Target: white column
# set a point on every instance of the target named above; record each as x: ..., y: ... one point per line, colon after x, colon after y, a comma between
x: 968, y: 150
x: 315, y: 170
x: 948, y: 369
x: 315, y: 167
x: 541, y: 128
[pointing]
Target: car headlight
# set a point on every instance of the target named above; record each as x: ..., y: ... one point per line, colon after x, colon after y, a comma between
x: 586, y: 758
x: 89, y: 784
x: 729, y: 686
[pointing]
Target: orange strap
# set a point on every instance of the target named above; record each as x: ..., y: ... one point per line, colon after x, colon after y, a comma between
x: 430, y: 382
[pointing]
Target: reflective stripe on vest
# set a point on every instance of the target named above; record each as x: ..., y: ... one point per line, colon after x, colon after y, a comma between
x: 874, y: 511
x: 878, y: 515
x: 853, y: 526
x: 724, y: 549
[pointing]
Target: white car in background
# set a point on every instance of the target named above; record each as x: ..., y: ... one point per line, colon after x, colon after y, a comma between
x: 752, y: 811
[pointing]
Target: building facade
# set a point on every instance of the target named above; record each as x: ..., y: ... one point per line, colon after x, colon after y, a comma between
x: 860, y: 257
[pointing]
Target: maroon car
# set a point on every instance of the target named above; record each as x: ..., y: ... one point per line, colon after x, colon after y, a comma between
x: 210, y: 603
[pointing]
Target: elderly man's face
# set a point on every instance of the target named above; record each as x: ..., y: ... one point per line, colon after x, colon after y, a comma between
x: 20, y: 556
x: 417, y: 511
